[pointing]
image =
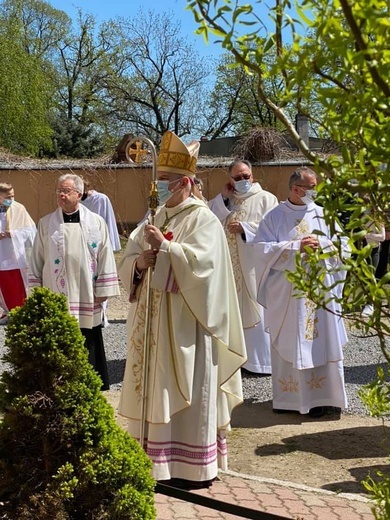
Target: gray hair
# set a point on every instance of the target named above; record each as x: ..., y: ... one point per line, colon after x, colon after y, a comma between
x: 239, y: 161
x: 5, y: 186
x: 78, y: 181
x: 298, y: 174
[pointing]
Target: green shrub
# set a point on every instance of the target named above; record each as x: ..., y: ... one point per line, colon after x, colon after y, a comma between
x: 62, y: 455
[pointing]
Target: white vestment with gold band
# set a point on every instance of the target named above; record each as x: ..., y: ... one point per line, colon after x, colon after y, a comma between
x: 248, y: 209
x: 196, y: 345
x: 307, y: 342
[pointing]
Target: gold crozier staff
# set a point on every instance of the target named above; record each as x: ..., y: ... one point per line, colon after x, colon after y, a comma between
x: 152, y: 204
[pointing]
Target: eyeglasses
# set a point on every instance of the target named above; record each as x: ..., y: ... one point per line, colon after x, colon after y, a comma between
x: 65, y: 191
x: 242, y: 178
x: 307, y: 187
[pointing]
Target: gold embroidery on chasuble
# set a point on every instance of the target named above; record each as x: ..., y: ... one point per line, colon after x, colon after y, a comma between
x: 316, y: 382
x: 136, y: 344
x: 302, y: 228
x: 285, y: 256
x: 311, y: 321
x: 235, y: 216
x: 289, y: 385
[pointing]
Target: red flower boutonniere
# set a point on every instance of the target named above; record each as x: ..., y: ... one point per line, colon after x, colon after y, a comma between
x: 168, y: 235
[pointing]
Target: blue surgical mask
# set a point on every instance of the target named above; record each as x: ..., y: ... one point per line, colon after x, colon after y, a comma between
x: 309, y: 197
x: 242, y: 186
x: 164, y: 193
x: 7, y: 202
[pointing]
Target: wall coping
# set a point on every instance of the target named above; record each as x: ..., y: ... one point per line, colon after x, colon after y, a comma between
x: 71, y: 165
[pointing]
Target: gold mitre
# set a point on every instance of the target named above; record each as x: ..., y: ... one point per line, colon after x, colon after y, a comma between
x: 176, y: 157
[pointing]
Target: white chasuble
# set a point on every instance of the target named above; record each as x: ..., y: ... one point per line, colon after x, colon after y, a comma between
x: 196, y: 345
x: 248, y: 209
x: 307, y: 343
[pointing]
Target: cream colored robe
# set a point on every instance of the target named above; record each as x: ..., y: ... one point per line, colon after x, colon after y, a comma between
x: 75, y: 259
x: 196, y: 345
x: 307, y: 343
x: 16, y: 250
x: 22, y: 230
x: 248, y: 209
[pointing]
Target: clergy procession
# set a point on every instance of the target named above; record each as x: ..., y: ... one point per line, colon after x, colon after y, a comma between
x: 209, y: 300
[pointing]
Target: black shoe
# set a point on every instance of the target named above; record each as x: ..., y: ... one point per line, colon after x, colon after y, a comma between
x: 318, y: 411
x: 321, y: 411
x: 332, y: 410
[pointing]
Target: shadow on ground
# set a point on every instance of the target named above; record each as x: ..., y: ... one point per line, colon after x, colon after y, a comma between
x: 358, y: 474
x: 330, y: 454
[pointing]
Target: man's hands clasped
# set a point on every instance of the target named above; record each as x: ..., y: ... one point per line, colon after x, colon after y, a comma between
x: 309, y: 241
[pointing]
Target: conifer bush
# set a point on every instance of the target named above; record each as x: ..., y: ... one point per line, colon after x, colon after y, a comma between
x: 62, y: 455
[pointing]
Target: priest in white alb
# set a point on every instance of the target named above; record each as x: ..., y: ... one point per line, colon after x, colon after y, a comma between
x: 196, y: 345
x: 307, y: 342
x: 99, y: 203
x: 17, y: 232
x: 72, y: 255
x: 240, y: 207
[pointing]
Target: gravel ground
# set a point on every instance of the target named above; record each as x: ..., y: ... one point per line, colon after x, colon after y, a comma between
x: 362, y: 356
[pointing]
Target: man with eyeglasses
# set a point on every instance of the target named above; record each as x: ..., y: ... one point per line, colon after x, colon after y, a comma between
x: 306, y: 341
x: 72, y: 255
x: 240, y: 207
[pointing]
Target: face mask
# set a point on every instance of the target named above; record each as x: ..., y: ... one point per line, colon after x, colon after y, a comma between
x: 7, y: 202
x: 309, y: 197
x: 164, y: 194
x: 242, y: 186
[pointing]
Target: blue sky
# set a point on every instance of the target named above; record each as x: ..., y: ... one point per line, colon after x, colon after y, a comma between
x: 104, y: 10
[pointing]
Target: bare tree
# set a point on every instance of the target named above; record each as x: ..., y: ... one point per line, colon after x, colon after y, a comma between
x: 155, y: 81
x: 235, y: 105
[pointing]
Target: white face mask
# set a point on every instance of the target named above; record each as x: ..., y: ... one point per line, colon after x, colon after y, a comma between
x: 309, y: 197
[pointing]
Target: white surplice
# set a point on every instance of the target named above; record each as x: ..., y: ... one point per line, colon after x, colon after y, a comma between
x: 196, y: 345
x: 248, y: 209
x: 307, y: 343
x: 75, y: 259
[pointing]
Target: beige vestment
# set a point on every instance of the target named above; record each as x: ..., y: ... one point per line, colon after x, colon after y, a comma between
x: 196, y: 347
x: 248, y: 209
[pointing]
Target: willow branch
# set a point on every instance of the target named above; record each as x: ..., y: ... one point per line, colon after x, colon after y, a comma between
x: 362, y: 46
